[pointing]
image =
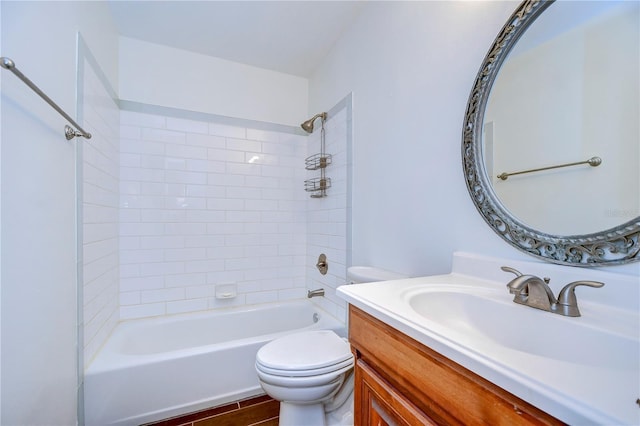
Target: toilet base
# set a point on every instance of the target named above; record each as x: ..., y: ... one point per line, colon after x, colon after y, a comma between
x: 298, y: 414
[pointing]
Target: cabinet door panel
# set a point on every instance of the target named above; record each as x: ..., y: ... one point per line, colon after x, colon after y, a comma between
x: 438, y: 387
x: 382, y: 405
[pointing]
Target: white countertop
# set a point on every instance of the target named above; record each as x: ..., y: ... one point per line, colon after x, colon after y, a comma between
x: 602, y: 390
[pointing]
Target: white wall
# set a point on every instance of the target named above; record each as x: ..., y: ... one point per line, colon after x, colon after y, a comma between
x: 39, y: 307
x: 175, y: 78
x: 411, y: 66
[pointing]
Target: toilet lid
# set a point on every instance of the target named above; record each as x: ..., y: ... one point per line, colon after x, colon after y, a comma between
x: 304, y: 351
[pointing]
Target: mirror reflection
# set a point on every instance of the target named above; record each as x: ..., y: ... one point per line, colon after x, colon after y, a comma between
x: 569, y: 91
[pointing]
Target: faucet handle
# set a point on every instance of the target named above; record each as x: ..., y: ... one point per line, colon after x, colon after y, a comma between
x: 567, y: 296
x: 512, y: 270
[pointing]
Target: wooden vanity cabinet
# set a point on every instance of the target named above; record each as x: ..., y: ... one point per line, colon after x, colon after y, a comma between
x: 399, y: 381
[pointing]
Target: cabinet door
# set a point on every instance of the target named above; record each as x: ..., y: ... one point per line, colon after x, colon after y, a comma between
x: 377, y: 403
x: 434, y: 385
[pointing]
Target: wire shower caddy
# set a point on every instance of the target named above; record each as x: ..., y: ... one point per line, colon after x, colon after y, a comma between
x: 318, y: 186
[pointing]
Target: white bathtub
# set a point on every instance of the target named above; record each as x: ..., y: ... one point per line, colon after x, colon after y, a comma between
x: 156, y: 368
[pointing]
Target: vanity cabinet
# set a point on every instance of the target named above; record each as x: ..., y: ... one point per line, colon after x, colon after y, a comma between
x: 399, y: 381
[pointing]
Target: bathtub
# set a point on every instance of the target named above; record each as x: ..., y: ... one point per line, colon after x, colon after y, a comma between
x: 151, y: 369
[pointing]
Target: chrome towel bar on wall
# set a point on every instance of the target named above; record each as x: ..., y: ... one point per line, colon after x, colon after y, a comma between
x: 69, y: 132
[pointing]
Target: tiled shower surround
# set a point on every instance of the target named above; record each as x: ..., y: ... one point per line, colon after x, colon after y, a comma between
x: 327, y: 218
x: 98, y: 212
x: 204, y: 205
x: 176, y: 204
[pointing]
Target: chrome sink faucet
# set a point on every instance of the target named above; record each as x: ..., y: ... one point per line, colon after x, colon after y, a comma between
x: 535, y: 292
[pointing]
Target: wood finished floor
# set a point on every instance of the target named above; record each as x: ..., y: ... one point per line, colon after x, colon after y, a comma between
x: 258, y: 411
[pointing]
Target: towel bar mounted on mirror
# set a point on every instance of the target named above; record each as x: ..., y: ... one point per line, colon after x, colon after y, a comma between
x: 69, y: 132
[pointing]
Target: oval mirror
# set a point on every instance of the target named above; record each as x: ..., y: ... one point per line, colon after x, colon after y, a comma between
x: 551, y: 139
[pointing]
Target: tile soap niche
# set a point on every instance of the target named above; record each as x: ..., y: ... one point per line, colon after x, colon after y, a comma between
x: 317, y: 186
x: 226, y: 291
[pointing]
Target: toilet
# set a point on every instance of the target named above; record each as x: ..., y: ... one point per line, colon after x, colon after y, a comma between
x: 311, y: 372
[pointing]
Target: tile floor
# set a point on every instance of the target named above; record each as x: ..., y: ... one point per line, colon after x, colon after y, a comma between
x: 257, y: 411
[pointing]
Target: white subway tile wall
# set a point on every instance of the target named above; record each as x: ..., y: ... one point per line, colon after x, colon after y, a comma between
x: 99, y: 204
x: 204, y: 204
x: 173, y: 207
x: 327, y: 217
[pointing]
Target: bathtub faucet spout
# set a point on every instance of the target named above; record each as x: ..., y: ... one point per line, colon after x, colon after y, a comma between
x: 316, y: 292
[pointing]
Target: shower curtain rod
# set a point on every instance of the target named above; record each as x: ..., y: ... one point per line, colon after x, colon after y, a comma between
x: 69, y: 132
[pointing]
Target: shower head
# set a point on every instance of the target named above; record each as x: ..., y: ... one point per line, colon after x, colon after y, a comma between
x: 307, y: 126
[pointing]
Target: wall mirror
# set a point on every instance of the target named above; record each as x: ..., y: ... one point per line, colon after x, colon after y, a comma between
x: 551, y: 138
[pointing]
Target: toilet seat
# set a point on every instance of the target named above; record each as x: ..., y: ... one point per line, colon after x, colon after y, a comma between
x: 305, y: 373
x: 305, y: 381
x: 304, y: 352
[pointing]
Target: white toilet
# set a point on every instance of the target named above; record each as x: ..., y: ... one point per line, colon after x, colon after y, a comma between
x: 303, y: 371
x: 311, y: 373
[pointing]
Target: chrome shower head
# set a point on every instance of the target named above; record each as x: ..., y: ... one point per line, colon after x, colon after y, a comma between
x: 307, y: 126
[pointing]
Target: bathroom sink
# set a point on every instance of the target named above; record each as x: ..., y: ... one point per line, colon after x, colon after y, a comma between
x: 488, y: 316
x: 582, y: 370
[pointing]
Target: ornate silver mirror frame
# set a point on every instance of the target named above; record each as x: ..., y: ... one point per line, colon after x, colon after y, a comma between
x: 610, y: 247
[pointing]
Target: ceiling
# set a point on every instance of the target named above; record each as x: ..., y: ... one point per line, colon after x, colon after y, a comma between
x: 286, y: 36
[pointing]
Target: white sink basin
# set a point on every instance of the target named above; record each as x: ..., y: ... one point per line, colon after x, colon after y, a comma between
x: 490, y: 315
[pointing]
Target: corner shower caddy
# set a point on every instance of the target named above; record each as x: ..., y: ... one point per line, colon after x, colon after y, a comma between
x: 318, y: 186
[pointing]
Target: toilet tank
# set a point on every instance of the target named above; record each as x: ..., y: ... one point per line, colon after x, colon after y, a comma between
x: 368, y: 274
